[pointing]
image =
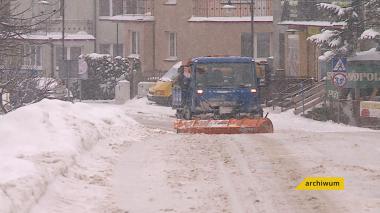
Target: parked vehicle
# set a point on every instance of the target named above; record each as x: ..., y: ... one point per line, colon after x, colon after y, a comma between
x: 161, y: 92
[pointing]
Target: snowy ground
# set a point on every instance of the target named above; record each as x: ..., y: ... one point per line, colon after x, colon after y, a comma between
x: 62, y: 157
x: 46, y: 144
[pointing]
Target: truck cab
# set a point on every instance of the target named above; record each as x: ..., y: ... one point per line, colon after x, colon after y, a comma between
x: 217, y: 88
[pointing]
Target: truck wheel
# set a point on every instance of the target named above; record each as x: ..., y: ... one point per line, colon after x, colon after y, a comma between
x: 187, y: 113
x: 179, y: 114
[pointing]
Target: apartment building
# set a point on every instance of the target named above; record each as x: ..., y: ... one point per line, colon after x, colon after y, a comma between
x: 159, y: 32
x: 84, y: 33
x: 162, y: 32
x: 301, y: 19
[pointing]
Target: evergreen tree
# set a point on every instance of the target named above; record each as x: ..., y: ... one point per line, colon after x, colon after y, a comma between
x: 356, y: 19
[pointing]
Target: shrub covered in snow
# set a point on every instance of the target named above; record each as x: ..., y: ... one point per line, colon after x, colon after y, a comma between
x: 104, y: 72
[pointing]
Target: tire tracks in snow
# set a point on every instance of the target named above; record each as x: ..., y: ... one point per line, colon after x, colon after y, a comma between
x: 281, y: 174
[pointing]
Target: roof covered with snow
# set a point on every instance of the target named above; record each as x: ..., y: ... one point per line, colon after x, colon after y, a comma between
x: 126, y: 18
x: 370, y: 34
x: 313, y: 23
x: 370, y: 55
x: 229, y: 59
x: 231, y: 19
x: 58, y: 36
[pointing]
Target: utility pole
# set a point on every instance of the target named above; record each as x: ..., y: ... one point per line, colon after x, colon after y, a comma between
x: 63, y: 44
x: 117, y: 40
x: 252, y: 7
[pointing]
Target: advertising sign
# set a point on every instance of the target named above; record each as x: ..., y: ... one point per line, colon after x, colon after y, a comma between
x: 370, y: 109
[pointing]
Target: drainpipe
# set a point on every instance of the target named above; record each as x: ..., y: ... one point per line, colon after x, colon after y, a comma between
x: 52, y: 61
x: 117, y: 39
x: 95, y: 25
x: 154, y: 45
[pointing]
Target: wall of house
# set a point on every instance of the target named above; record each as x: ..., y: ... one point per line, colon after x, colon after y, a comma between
x: 145, y: 30
x: 193, y: 38
x: 307, y: 56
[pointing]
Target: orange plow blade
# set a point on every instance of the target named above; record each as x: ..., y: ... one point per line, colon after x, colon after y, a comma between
x: 231, y: 126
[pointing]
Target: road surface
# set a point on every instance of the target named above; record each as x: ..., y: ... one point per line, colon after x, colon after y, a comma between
x: 169, y: 172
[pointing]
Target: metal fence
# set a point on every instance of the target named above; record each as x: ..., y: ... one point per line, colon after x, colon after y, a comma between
x: 214, y: 8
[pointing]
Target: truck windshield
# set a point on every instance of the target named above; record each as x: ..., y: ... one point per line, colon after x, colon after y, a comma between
x: 224, y: 74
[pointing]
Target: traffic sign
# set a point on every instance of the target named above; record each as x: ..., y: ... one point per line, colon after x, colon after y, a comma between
x: 339, y: 64
x: 339, y: 80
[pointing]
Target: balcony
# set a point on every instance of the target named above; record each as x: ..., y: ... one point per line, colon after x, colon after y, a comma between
x: 214, y: 8
x: 135, y: 7
x: 71, y: 26
x: 129, y: 10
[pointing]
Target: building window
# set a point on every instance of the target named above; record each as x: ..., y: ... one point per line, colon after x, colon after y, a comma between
x: 172, y: 44
x: 171, y: 2
x: 58, y: 55
x: 263, y: 45
x: 33, y: 55
x: 118, y: 50
x: 71, y: 53
x: 61, y: 10
x: 246, y: 44
x: 75, y: 52
x: 105, y: 49
x: 120, y: 7
x: 117, y: 7
x: 135, y: 43
x: 104, y: 7
x: 292, y: 58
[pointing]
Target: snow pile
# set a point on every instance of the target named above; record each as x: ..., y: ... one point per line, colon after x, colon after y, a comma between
x: 369, y: 34
x: 142, y: 106
x: 369, y: 55
x: 287, y: 121
x: 41, y: 141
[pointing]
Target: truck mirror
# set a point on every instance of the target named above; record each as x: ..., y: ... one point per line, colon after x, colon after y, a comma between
x: 181, y: 69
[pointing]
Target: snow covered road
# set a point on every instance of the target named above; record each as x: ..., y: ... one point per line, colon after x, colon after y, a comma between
x: 106, y: 162
x: 168, y: 172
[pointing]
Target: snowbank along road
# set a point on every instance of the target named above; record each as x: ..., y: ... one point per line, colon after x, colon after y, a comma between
x: 145, y: 167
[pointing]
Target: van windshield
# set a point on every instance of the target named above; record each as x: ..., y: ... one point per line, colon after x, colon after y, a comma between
x: 172, y: 73
x: 225, y: 74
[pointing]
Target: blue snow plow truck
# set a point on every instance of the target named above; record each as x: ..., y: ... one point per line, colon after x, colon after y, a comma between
x: 219, y: 95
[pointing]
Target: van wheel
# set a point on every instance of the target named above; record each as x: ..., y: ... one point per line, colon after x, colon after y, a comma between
x: 169, y: 101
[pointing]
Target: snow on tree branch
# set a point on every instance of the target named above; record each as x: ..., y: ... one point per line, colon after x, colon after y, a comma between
x: 337, y: 10
x: 369, y: 34
x: 328, y: 38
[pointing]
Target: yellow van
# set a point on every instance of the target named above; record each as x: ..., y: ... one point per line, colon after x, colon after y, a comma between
x: 161, y: 92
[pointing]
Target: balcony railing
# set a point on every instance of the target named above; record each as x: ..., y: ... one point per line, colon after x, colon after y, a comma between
x: 214, y: 8
x: 133, y: 7
x: 71, y: 26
